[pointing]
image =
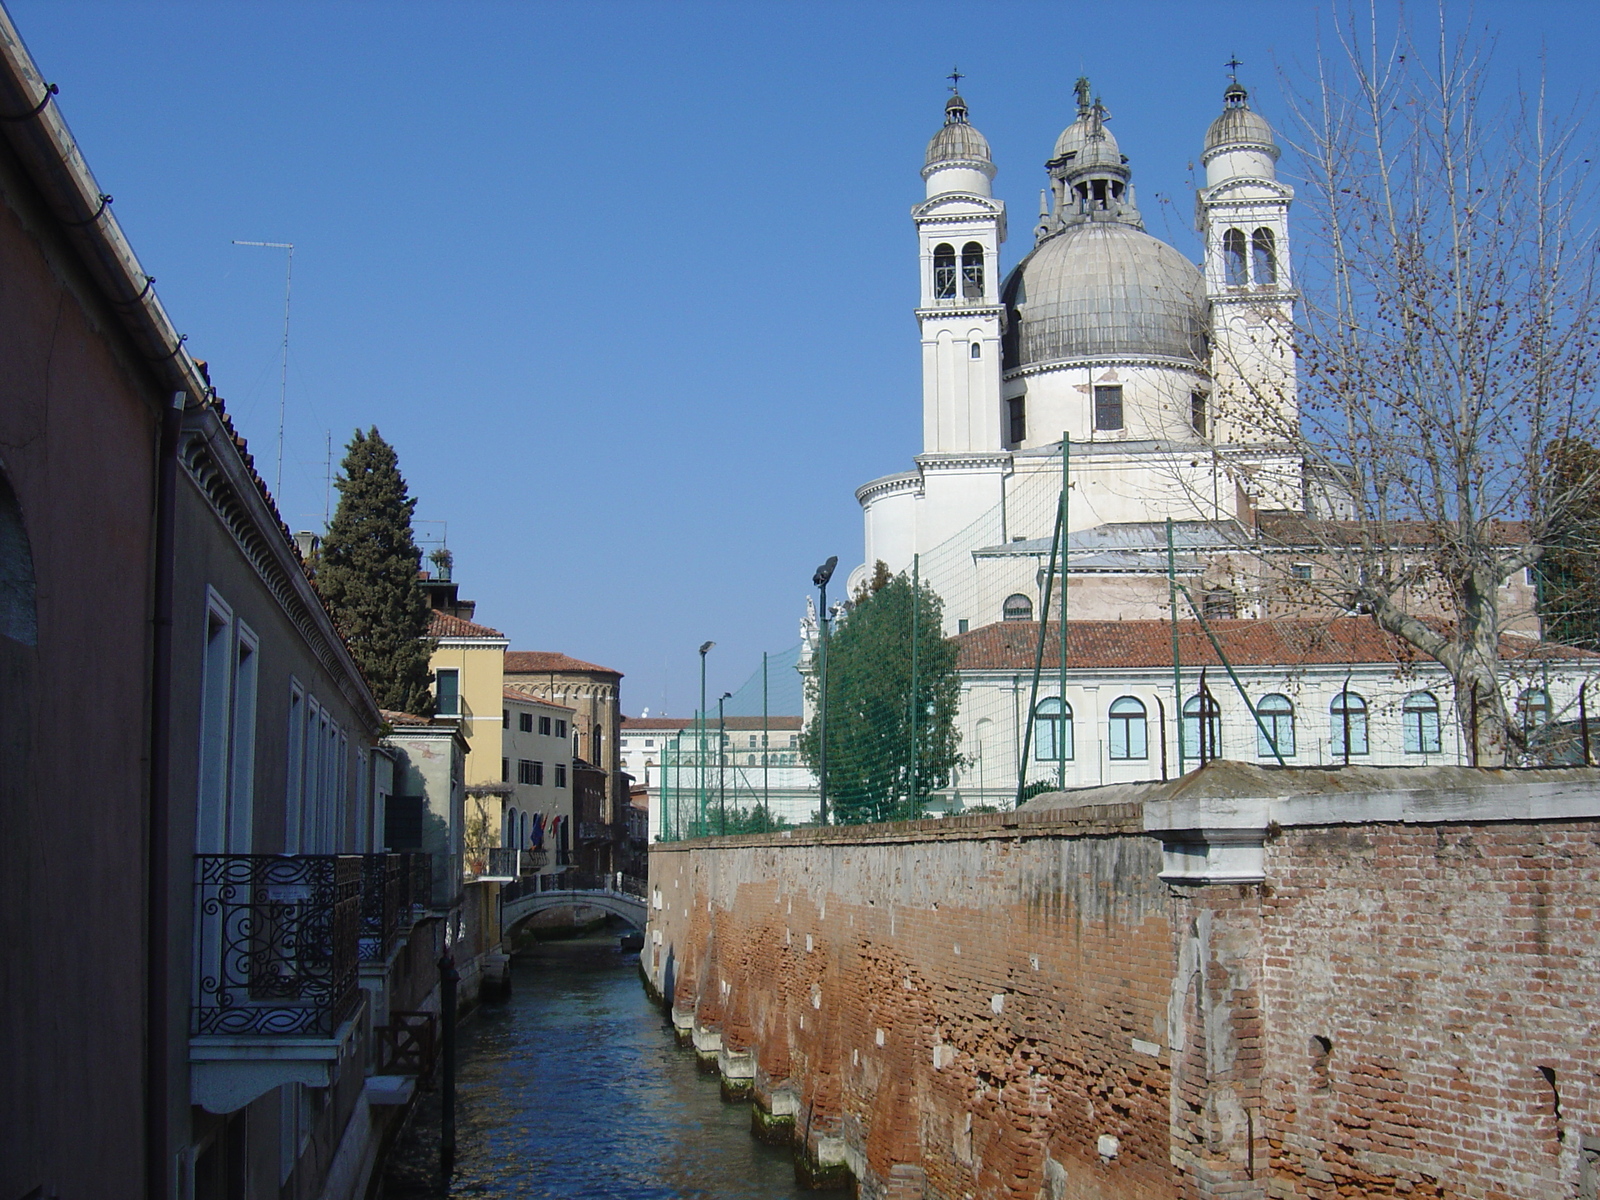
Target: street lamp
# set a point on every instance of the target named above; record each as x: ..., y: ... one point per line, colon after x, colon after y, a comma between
x: 722, y: 766
x: 820, y: 580
x: 700, y: 750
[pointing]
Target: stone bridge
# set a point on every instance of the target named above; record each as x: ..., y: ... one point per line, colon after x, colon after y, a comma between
x: 620, y: 895
x: 1243, y: 984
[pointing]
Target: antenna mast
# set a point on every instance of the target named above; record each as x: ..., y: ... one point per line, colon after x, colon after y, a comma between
x: 283, y: 383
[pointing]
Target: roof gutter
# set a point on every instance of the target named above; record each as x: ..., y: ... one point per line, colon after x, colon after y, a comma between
x: 33, y: 126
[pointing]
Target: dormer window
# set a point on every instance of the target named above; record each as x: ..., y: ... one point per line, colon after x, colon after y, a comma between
x: 972, y: 272
x: 1233, y: 262
x: 1263, y: 258
x: 944, y: 271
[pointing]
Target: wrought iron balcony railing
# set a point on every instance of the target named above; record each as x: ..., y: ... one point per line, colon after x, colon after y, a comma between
x: 383, y: 890
x: 278, y: 944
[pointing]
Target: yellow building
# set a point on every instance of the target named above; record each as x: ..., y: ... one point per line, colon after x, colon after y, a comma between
x: 469, y: 685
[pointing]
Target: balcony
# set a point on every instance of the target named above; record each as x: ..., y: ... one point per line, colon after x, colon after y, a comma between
x: 594, y: 831
x: 280, y: 941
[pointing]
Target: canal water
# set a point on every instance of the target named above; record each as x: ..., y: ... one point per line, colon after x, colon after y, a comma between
x: 574, y: 1088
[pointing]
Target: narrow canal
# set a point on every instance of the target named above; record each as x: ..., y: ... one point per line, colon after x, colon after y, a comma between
x: 574, y: 1087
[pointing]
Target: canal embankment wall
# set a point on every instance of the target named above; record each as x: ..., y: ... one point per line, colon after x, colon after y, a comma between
x: 1244, y: 983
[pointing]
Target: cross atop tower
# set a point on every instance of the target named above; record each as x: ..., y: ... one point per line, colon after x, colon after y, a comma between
x: 955, y: 77
x: 1233, y: 65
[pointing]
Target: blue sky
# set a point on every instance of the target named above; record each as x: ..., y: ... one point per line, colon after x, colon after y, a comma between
x: 629, y: 286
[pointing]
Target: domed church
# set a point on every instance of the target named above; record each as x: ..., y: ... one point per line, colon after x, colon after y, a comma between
x: 1171, y: 384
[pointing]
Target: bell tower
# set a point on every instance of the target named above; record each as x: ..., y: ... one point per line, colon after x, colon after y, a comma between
x: 1244, y: 221
x: 960, y: 226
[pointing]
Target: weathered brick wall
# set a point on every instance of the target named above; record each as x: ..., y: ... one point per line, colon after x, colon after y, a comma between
x: 969, y: 997
x: 1434, y: 1001
x: 977, y: 1007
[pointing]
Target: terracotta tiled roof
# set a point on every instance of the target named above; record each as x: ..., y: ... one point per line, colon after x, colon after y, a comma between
x: 1112, y: 645
x: 528, y: 698
x: 540, y: 662
x: 443, y: 625
x: 1292, y: 529
x: 401, y: 718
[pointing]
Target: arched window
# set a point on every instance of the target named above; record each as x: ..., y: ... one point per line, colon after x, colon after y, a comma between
x: 1276, y: 727
x: 972, y: 271
x: 1052, y: 730
x: 18, y: 615
x: 1128, y: 729
x: 975, y: 350
x: 1234, y: 270
x: 1348, y: 712
x: 1202, y: 741
x: 1420, y: 723
x: 508, y: 835
x: 1533, y: 707
x: 944, y: 271
x: 1263, y: 258
x: 522, y: 831
x: 1018, y: 608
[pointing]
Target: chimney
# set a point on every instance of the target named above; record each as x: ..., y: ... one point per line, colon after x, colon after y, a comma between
x: 306, y: 542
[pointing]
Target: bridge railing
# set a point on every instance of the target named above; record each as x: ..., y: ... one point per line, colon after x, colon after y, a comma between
x: 573, y: 880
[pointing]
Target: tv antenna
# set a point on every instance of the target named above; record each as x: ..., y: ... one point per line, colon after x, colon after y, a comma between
x: 283, y: 383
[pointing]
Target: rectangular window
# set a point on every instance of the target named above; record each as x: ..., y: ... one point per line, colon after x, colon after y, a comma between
x: 561, y: 728
x: 525, y: 771
x: 447, y: 692
x: 241, y: 793
x: 216, y: 687
x: 1300, y: 571
x: 963, y: 625
x: 1108, y: 406
x: 294, y: 790
x: 1197, y: 412
x: 544, y: 726
x: 649, y: 743
x: 561, y: 774
x: 505, y: 718
x: 1017, y: 418
x: 538, y: 774
x: 525, y: 722
x: 505, y: 770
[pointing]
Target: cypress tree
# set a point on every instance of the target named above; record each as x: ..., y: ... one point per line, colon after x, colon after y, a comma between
x: 368, y: 571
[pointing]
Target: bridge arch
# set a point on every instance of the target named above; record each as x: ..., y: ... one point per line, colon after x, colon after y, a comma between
x: 627, y: 907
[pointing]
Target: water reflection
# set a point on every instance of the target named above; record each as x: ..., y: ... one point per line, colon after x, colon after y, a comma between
x: 574, y: 1088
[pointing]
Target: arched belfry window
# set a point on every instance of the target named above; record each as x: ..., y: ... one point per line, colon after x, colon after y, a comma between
x: 1234, y: 269
x: 1263, y: 258
x: 1128, y: 729
x: 972, y: 271
x: 1018, y: 608
x: 944, y: 271
x: 18, y: 614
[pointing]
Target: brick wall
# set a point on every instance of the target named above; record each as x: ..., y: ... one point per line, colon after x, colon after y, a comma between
x: 1020, y: 1005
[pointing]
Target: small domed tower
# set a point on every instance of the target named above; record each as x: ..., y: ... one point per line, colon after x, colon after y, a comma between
x: 1244, y: 222
x: 1089, y: 175
x: 960, y: 226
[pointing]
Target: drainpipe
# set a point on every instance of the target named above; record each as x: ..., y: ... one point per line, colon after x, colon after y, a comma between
x: 159, y: 868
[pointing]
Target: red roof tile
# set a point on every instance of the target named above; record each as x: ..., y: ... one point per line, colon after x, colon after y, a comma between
x: 541, y: 662
x: 402, y: 718
x: 443, y: 625
x: 529, y: 698
x: 1112, y: 645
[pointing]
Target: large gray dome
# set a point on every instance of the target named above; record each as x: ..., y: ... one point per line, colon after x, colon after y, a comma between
x: 1104, y: 288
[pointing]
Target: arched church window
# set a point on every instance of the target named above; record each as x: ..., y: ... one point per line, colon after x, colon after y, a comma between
x: 1018, y: 608
x: 1263, y: 258
x: 1419, y: 718
x: 972, y: 271
x: 976, y: 350
x: 1128, y: 729
x: 1233, y: 263
x: 18, y: 614
x: 1348, y: 712
x: 1052, y: 730
x: 1275, y: 714
x: 944, y: 271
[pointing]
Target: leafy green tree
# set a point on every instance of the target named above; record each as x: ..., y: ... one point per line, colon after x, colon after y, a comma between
x: 368, y: 571
x: 870, y: 701
x: 1569, y: 568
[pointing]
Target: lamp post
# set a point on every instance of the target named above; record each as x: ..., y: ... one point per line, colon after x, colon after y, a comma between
x: 700, y: 750
x: 722, y: 766
x: 820, y: 580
